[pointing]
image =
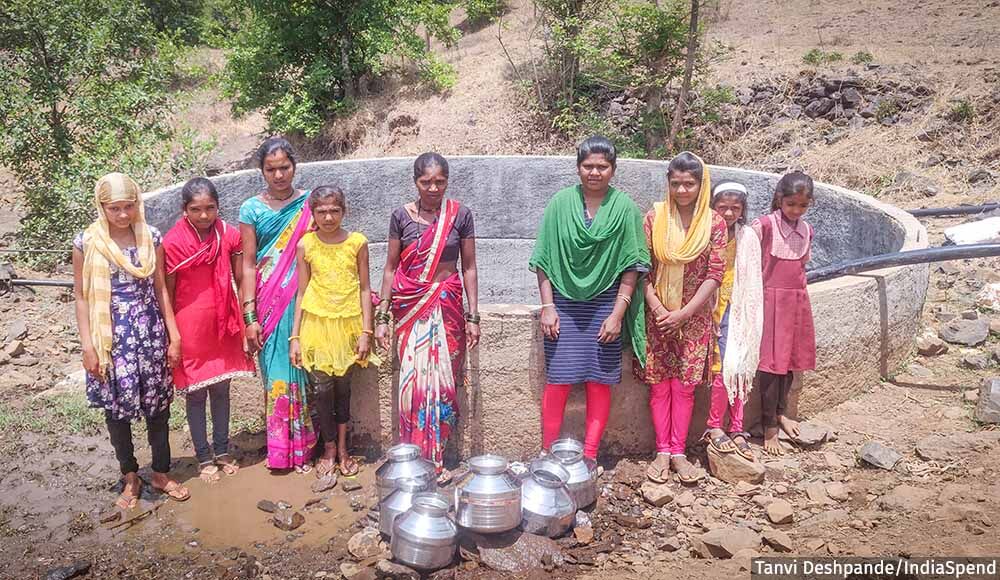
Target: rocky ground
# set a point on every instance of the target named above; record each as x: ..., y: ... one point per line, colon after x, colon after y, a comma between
x: 820, y: 499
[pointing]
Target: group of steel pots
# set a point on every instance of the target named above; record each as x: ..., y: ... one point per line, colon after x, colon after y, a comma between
x: 424, y: 524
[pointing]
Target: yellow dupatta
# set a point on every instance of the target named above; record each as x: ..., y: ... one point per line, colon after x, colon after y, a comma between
x: 673, y: 248
x: 99, y: 251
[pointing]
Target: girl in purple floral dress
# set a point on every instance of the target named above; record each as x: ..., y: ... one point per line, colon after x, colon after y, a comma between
x: 129, y: 346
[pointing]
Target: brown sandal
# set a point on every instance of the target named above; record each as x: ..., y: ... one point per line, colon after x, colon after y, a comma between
x: 229, y: 465
x: 352, y: 467
x: 175, y: 491
x: 743, y: 448
x: 657, y: 468
x: 208, y: 472
x: 722, y: 443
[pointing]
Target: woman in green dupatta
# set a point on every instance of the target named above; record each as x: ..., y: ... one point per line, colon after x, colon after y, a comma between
x: 589, y: 254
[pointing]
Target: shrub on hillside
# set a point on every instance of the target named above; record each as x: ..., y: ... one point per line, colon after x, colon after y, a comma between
x: 304, y: 63
x: 480, y: 11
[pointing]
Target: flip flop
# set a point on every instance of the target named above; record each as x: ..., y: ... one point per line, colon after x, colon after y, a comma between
x: 722, y: 443
x: 175, y: 491
x: 208, y: 472
x: 444, y: 478
x: 743, y: 448
x: 352, y: 468
x: 127, y: 501
x: 656, y: 470
x: 230, y: 466
x: 699, y: 474
x: 325, y: 467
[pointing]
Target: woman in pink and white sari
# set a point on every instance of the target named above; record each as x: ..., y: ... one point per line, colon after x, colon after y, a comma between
x: 422, y: 287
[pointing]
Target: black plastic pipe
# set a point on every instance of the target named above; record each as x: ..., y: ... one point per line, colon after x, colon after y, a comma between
x: 56, y: 283
x: 959, y: 210
x: 942, y: 254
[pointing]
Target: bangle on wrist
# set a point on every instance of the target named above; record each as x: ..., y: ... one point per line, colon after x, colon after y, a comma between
x: 547, y: 304
x: 366, y: 331
x: 291, y: 338
x: 474, y: 318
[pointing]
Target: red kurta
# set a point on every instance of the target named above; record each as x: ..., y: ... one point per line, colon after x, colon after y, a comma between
x: 789, y: 339
x: 205, y: 359
x: 666, y: 356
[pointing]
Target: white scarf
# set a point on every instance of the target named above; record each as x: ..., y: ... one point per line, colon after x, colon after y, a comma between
x: 746, y: 317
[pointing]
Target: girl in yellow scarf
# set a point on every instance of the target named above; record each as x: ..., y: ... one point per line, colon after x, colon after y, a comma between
x: 127, y: 330
x: 687, y: 239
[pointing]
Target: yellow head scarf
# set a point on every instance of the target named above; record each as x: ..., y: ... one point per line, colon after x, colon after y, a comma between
x: 99, y: 251
x: 673, y: 248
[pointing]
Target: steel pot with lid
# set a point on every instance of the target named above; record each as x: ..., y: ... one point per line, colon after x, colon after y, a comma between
x: 425, y: 537
x: 547, y: 508
x: 400, y: 500
x: 488, y: 498
x: 582, y: 484
x: 402, y: 461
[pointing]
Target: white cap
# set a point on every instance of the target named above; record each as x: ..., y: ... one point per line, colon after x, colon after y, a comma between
x: 729, y: 186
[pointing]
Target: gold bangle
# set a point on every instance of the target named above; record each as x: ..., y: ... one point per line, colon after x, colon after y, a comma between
x: 291, y: 338
x: 366, y: 331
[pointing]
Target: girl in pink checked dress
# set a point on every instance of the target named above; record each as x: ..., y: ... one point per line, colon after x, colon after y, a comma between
x: 789, y: 338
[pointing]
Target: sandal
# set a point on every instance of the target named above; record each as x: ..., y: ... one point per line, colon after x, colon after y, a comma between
x: 208, y: 472
x: 350, y: 468
x: 688, y: 473
x: 658, y: 467
x: 174, y: 491
x: 228, y: 463
x: 743, y: 448
x: 127, y: 501
x: 444, y: 478
x: 722, y: 443
x: 305, y: 468
x: 325, y: 467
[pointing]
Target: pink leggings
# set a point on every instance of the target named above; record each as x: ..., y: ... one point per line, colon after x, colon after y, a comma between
x: 671, y: 404
x: 720, y: 403
x: 598, y: 408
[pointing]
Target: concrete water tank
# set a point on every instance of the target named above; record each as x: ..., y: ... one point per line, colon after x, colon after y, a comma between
x: 865, y: 324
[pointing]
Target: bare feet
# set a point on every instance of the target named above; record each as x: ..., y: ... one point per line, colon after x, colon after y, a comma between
x: 685, y: 471
x: 772, y: 446
x: 789, y: 426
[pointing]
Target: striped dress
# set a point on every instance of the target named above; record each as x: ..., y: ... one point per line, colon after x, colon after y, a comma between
x: 576, y: 356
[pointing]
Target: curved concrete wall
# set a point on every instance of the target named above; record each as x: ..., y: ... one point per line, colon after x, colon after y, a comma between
x: 864, y: 324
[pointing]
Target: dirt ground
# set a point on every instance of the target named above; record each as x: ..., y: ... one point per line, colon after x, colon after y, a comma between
x: 57, y: 469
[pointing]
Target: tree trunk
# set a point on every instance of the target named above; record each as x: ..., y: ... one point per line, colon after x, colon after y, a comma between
x: 653, y: 130
x: 692, y: 50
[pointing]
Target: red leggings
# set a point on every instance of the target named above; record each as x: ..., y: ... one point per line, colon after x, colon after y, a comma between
x: 598, y: 408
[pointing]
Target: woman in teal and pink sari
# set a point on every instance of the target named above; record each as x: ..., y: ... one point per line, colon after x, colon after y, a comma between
x: 423, y: 287
x: 271, y: 225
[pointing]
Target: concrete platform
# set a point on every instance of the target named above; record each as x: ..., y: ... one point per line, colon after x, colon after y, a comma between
x: 865, y: 324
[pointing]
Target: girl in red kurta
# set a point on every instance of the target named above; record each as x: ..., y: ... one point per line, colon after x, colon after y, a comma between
x: 789, y: 338
x: 202, y: 254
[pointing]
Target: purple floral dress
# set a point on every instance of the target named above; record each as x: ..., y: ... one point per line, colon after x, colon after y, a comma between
x: 139, y: 381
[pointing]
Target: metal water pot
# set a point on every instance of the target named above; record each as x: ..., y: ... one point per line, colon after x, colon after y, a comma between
x: 582, y: 484
x: 424, y: 537
x: 488, y: 498
x: 547, y: 508
x: 402, y: 461
x: 400, y: 500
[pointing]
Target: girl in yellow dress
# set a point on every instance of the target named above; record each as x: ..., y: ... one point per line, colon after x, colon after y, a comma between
x: 332, y: 331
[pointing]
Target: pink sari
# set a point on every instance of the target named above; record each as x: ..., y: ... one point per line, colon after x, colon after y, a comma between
x: 430, y: 327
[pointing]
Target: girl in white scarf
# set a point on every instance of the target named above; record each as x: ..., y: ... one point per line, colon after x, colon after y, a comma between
x: 739, y: 315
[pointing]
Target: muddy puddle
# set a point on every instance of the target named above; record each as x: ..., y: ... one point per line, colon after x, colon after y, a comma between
x: 225, y: 514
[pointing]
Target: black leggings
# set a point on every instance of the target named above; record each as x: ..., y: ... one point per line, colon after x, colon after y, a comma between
x: 774, y: 391
x: 157, y: 432
x: 330, y: 398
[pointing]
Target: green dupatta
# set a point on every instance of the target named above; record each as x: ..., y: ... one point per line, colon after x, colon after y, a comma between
x: 582, y: 262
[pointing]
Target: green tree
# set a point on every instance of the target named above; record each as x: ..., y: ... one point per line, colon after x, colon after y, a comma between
x: 304, y: 62
x: 82, y: 92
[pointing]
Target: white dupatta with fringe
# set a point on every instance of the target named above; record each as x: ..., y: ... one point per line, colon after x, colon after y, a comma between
x: 746, y: 317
